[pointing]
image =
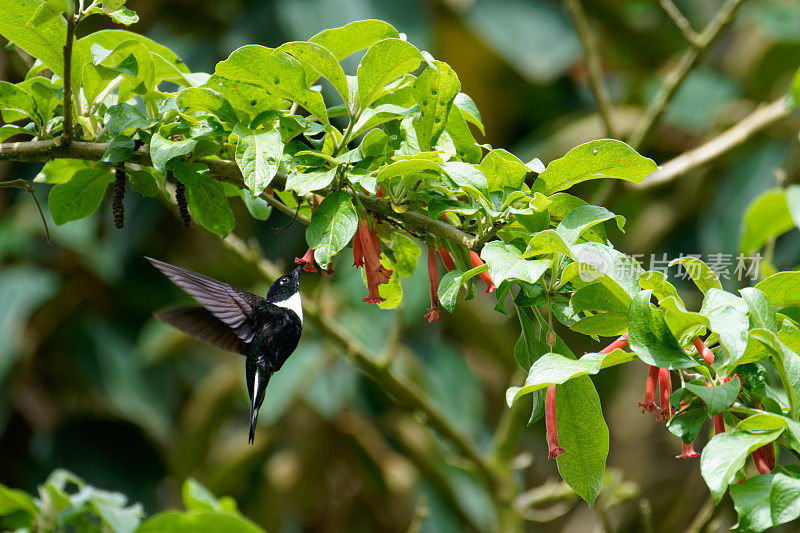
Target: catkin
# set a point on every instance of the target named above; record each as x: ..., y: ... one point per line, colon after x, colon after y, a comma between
x: 119, y: 194
x: 183, y: 207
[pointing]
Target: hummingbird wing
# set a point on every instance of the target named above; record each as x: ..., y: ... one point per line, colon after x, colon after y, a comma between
x: 234, y: 307
x: 198, y: 322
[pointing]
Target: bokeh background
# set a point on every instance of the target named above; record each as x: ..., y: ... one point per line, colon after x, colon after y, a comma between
x: 90, y: 382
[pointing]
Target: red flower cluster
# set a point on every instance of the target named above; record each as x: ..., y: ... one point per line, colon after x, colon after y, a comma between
x: 433, y: 287
x: 367, y: 253
x: 307, y: 261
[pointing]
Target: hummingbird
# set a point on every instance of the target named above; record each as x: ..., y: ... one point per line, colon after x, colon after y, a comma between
x: 265, y: 330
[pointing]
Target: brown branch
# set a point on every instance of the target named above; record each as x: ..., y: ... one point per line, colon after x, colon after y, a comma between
x: 593, y: 67
x: 681, y: 22
x: 730, y: 138
x: 228, y: 171
x: 69, y: 130
x: 675, y: 77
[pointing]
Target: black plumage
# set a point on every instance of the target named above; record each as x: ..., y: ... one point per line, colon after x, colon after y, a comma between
x: 265, y: 330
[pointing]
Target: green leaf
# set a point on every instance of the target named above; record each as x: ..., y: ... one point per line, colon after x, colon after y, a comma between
x: 333, y: 225
x: 79, y: 197
x: 583, y: 433
x: 375, y: 116
x: 605, y: 158
x: 406, y: 254
x: 466, y: 148
x: 124, y: 16
x: 122, y: 119
x: 701, y: 274
x: 782, y: 289
x: 751, y: 499
x: 206, y: 198
x: 784, y: 498
x: 761, y: 311
x: 320, y: 62
x: 503, y: 169
x: 727, y: 316
x: 687, y: 424
x: 409, y: 166
x: 469, y: 110
x: 506, y: 263
x: 596, y: 262
x: 13, y: 500
x: 205, y: 99
x: 143, y: 182
x: 353, y: 37
x: 717, y: 398
x: 44, y: 41
x: 773, y: 213
x: 15, y: 98
x: 602, y: 324
x: 198, y: 522
x: 314, y: 180
x: 547, y: 242
x: 258, y: 154
x: 434, y: 91
x: 287, y: 78
x: 392, y: 291
x: 162, y: 150
x: 198, y: 498
x: 650, y: 337
x: 258, y: 207
x: 452, y: 282
x: 582, y: 218
x: 657, y: 282
x: 555, y: 369
x: 725, y: 455
x: 119, y: 149
x: 466, y: 176
x: 384, y: 62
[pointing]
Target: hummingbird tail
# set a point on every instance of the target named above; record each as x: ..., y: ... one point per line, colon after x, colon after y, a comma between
x: 257, y: 381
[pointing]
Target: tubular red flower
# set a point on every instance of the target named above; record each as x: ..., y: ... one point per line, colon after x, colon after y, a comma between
x: 703, y: 350
x: 620, y: 343
x: 719, y: 424
x: 307, y: 261
x: 553, y: 449
x: 687, y: 452
x: 649, y: 403
x: 377, y: 274
x: 476, y: 262
x: 358, y: 252
x: 665, y: 384
x: 447, y: 259
x: 433, y: 288
x: 764, y: 458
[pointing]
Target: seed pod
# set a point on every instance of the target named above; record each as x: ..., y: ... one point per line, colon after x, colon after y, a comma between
x: 119, y: 193
x: 183, y: 207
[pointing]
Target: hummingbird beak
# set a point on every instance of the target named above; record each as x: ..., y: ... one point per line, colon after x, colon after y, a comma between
x: 296, y: 272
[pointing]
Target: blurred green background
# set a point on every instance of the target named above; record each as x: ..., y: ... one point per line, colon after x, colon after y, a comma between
x: 90, y: 382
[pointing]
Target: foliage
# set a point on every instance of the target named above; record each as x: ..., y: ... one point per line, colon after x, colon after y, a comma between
x: 64, y: 501
x: 389, y: 148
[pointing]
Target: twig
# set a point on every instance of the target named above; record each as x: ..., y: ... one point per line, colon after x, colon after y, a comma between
x: 69, y: 130
x: 681, y: 22
x: 593, y: 68
x: 224, y: 170
x: 730, y: 138
x: 22, y: 184
x: 679, y: 72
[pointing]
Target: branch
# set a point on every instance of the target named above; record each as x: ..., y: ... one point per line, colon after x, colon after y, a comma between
x: 681, y: 22
x: 69, y: 130
x: 228, y: 171
x: 675, y: 77
x: 405, y: 392
x: 736, y: 135
x: 593, y: 67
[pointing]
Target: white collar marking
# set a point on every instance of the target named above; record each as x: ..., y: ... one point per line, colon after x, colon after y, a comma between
x: 293, y: 303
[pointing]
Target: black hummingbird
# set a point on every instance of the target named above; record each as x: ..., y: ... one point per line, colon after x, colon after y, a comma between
x: 265, y: 330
